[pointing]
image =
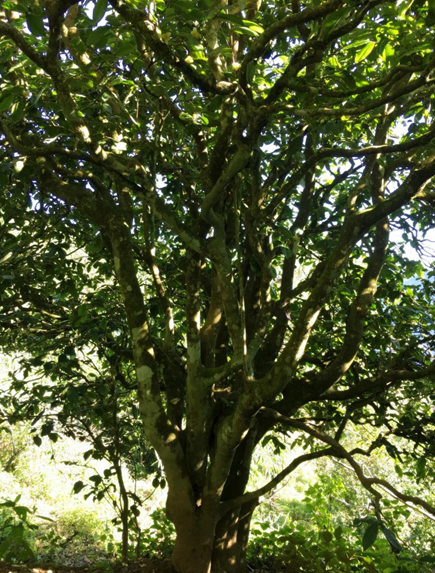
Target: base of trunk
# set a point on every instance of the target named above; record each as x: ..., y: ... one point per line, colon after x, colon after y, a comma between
x: 231, y: 543
x: 193, y: 547
x: 200, y: 547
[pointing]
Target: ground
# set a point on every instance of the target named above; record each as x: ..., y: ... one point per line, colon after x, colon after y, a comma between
x: 142, y: 566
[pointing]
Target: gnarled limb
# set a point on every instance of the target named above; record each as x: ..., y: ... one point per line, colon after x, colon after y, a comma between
x: 366, y: 481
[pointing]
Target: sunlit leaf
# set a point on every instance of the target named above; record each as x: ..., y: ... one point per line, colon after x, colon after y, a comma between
x: 364, y: 52
x: 387, y: 52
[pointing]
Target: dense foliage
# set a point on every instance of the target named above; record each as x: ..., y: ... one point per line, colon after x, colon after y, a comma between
x: 196, y: 203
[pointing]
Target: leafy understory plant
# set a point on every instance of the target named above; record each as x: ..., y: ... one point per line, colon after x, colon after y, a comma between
x: 16, y: 531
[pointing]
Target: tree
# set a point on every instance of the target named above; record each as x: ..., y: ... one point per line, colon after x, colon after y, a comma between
x: 230, y: 172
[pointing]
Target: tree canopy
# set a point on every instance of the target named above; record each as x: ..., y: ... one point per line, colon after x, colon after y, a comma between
x: 205, y: 213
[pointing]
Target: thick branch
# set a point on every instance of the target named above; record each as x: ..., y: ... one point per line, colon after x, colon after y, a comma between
x: 253, y: 495
x: 237, y: 163
x: 368, y: 284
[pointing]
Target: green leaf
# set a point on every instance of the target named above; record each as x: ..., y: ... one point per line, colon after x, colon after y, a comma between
x: 387, y: 52
x: 21, y: 511
x: 88, y: 454
x: 96, y: 479
x: 366, y: 51
x: 8, y: 503
x: 100, y: 9
x: 242, y: 25
x: 135, y: 510
x: 399, y: 470
x: 17, y: 532
x: 370, y: 535
x: 4, y: 547
x: 6, y: 103
x: 47, y: 428
x: 46, y: 518
x: 338, y: 532
x: 327, y: 537
x: 98, y: 37
x: 391, y: 538
x: 37, y: 440
x: 215, y: 103
x: 10, y: 6
x: 333, y: 61
x: 156, y: 482
x: 244, y: 30
x: 35, y: 24
x: 26, y: 552
x: 78, y: 486
x: 250, y: 72
x: 405, y: 6
x: 421, y: 468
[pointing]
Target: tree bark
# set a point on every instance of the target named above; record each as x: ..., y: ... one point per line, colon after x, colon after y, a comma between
x: 232, y: 530
x: 194, y: 542
x: 203, y: 547
x: 229, y: 555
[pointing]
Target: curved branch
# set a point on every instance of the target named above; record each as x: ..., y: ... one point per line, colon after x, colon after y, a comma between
x: 302, y: 86
x: 213, y: 376
x: 368, y: 285
x: 8, y: 31
x: 366, y: 481
x: 296, y: 19
x: 411, y: 188
x: 147, y: 29
x: 377, y: 383
x: 316, y: 48
x: 363, y: 109
x: 324, y: 153
x: 237, y: 163
x: 110, y: 163
x: 254, y: 495
x: 358, y: 312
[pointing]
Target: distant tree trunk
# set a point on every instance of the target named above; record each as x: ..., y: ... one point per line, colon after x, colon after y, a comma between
x: 124, y: 511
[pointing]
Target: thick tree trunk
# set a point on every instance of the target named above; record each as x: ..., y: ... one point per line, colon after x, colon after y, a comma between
x: 194, y: 543
x: 226, y: 552
x: 231, y: 542
x: 200, y: 548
